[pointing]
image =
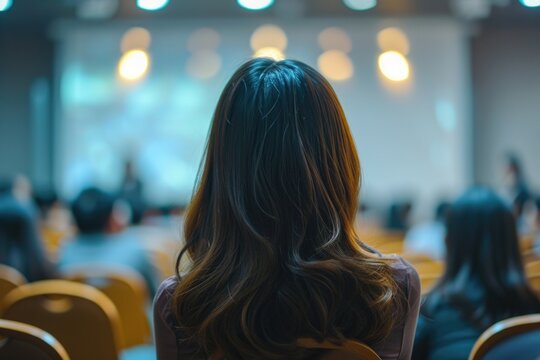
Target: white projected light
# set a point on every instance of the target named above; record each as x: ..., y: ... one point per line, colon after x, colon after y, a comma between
x: 360, y: 4
x: 530, y: 3
x: 394, y: 66
x: 152, y: 5
x: 133, y: 65
x: 5, y: 4
x: 255, y: 4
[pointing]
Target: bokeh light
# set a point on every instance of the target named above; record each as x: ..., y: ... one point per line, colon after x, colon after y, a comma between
x: 334, y: 38
x: 360, y: 4
x: 393, y: 39
x: 203, y: 39
x: 394, y: 66
x: 133, y: 65
x: 269, y: 52
x: 255, y: 4
x: 135, y: 38
x: 152, y: 5
x: 5, y: 4
x: 204, y: 64
x: 530, y: 3
x: 268, y: 36
x: 335, y: 65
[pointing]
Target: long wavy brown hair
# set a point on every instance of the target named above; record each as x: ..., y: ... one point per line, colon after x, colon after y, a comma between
x: 270, y: 229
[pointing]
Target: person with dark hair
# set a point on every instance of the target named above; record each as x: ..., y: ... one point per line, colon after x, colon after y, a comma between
x: 270, y: 233
x: 484, y: 280
x: 98, y: 242
x: 428, y: 238
x: 21, y: 246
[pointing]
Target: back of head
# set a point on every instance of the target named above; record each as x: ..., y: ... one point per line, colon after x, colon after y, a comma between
x: 270, y: 227
x: 483, y: 260
x: 92, y: 210
x: 20, y: 243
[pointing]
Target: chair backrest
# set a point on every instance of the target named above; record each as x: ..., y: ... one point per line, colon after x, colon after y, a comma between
x: 534, y: 281
x: 81, y: 317
x: 532, y: 267
x: 504, y: 331
x: 348, y: 350
x: 10, y: 278
x: 128, y: 292
x: 23, y: 341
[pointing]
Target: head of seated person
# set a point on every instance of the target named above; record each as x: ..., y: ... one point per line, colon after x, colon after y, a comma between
x: 484, y: 281
x: 93, y: 211
x: 21, y: 246
x: 270, y: 230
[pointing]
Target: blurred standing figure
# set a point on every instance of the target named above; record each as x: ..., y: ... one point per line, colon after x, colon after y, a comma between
x: 21, y: 246
x: 516, y: 184
x: 428, y: 238
x: 131, y: 192
x: 95, y: 243
x: 484, y: 280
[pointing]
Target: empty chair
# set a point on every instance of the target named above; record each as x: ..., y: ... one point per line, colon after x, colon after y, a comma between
x: 23, y: 341
x: 514, y: 338
x: 82, y: 318
x: 128, y: 292
x: 10, y: 278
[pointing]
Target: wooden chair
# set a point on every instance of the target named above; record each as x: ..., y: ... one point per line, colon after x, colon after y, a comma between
x: 128, y: 292
x: 429, y: 273
x: 10, y: 278
x: 534, y: 281
x: 23, y: 341
x: 349, y: 350
x: 532, y: 267
x: 81, y: 317
x: 504, y: 331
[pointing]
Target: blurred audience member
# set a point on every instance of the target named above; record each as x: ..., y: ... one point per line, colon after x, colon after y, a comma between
x: 398, y: 218
x: 98, y: 244
x: 428, y: 238
x: 20, y: 244
x: 484, y: 280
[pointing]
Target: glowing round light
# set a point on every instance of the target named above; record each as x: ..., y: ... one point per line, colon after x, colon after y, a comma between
x: 394, y: 66
x: 335, y: 65
x: 334, y: 38
x: 393, y: 39
x: 204, y: 64
x: 135, y: 38
x: 203, y: 39
x: 255, y: 4
x: 530, y: 3
x: 133, y: 65
x: 269, y: 52
x: 360, y: 4
x: 5, y: 4
x: 268, y: 36
x: 152, y: 5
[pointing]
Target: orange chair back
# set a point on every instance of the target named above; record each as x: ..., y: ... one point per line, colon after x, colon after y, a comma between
x: 10, y: 278
x: 501, y: 331
x: 82, y: 318
x: 349, y: 350
x: 128, y: 292
x: 23, y: 341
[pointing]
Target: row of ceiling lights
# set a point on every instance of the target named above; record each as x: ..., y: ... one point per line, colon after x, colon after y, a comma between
x: 153, y: 5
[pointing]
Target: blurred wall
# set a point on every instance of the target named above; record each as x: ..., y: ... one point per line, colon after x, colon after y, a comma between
x: 26, y: 61
x: 506, y: 76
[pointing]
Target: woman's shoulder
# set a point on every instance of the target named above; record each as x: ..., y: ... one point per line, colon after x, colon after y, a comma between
x: 405, y: 274
x: 164, y: 295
